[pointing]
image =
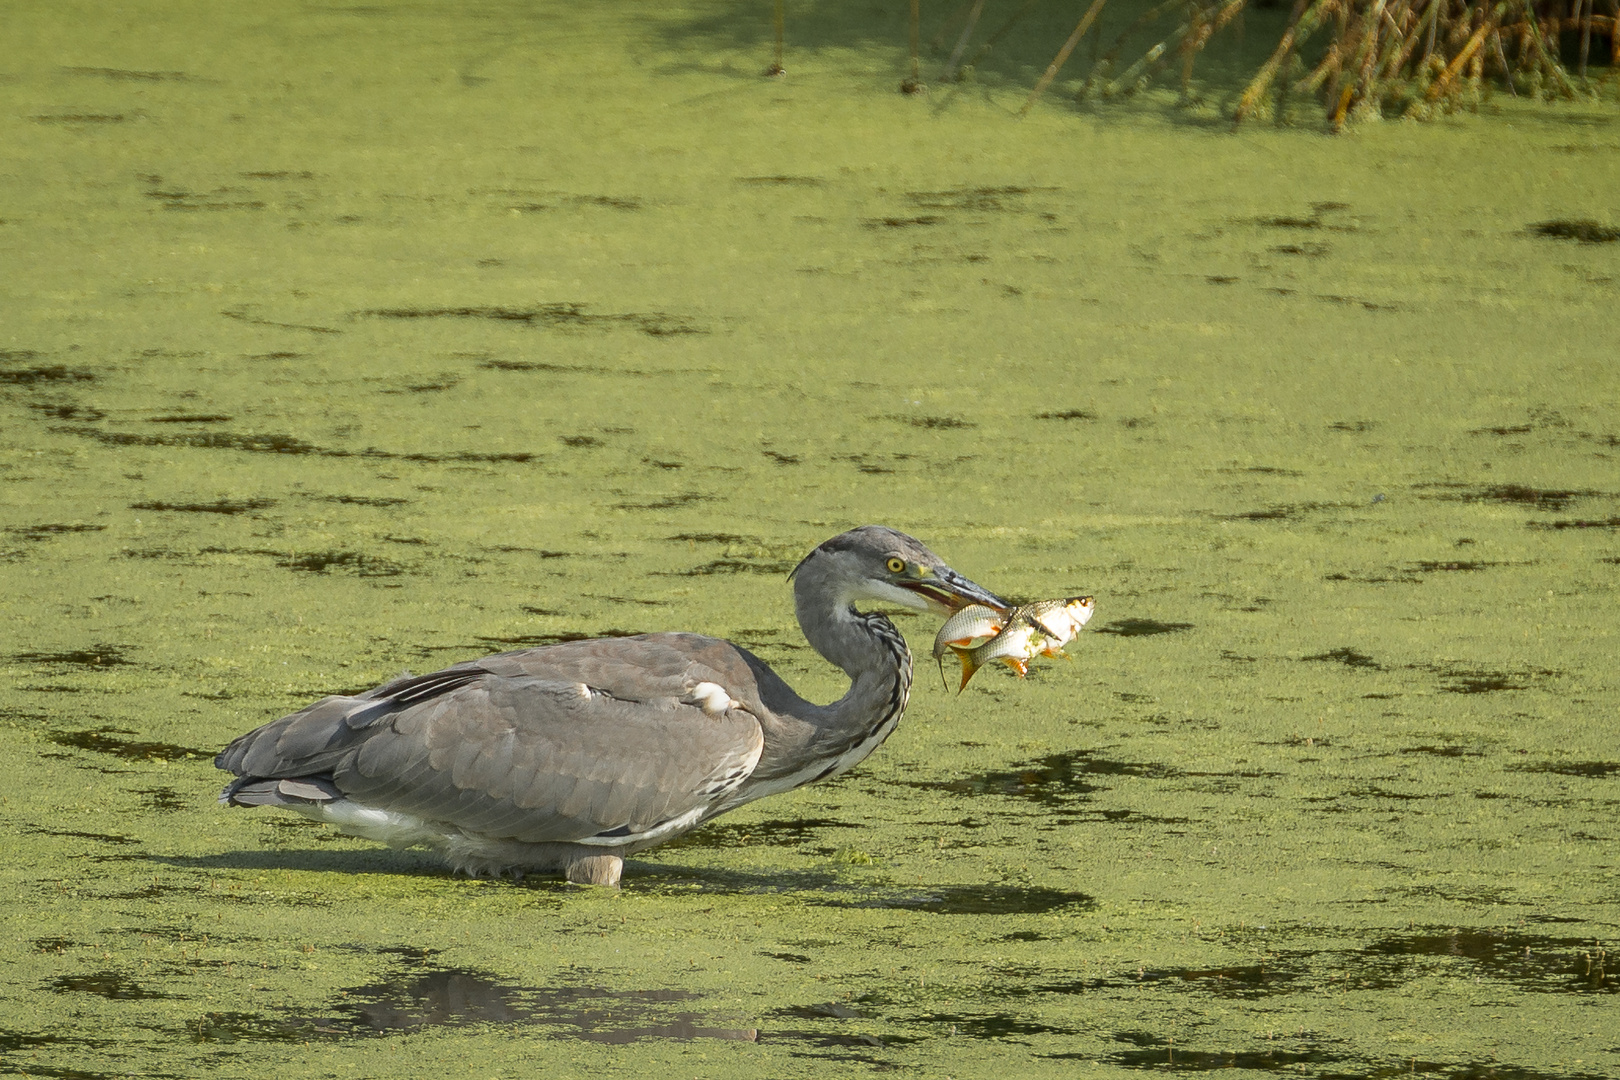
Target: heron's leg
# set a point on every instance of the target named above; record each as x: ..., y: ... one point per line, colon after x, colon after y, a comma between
x: 596, y: 869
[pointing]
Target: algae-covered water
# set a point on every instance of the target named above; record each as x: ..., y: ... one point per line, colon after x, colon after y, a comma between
x: 345, y: 340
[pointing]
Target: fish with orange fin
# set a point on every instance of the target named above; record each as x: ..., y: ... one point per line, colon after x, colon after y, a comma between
x: 1030, y: 630
x: 962, y: 629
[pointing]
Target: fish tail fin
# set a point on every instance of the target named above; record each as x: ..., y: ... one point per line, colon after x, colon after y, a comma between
x: 1017, y: 664
x: 968, y: 665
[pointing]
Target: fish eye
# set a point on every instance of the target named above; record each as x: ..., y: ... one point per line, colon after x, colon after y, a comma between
x: 896, y: 564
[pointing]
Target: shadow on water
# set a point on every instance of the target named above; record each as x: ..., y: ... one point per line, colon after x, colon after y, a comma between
x: 105, y: 741
x: 45, y: 532
x: 1510, y: 494
x: 977, y: 900
x: 94, y: 656
x: 218, y: 506
x: 1060, y: 784
x: 105, y: 984
x: 553, y: 317
x: 452, y: 997
x: 1142, y: 627
x: 1535, y: 962
x: 1305, y: 1057
x: 778, y: 832
x: 1592, y: 770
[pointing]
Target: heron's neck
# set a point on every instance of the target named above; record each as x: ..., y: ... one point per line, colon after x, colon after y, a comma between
x: 873, y: 654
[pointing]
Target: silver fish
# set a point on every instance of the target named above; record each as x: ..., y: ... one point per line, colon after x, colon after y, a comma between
x: 1031, y: 630
x: 972, y: 622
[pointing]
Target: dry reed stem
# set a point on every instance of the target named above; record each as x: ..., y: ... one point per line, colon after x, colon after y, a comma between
x: 949, y: 74
x: 1063, y: 54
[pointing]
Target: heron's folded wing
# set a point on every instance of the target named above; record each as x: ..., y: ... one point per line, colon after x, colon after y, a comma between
x: 540, y: 759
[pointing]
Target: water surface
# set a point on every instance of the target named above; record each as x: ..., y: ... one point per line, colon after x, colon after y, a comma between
x: 341, y: 341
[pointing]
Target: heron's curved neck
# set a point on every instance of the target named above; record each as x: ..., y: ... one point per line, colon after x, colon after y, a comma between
x: 872, y: 653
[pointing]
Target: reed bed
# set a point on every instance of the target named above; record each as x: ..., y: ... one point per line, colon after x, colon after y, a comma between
x: 1361, y: 59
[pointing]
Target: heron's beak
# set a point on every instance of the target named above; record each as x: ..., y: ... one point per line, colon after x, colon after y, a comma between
x: 948, y: 592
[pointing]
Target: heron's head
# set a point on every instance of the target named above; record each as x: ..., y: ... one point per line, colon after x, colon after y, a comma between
x: 878, y: 565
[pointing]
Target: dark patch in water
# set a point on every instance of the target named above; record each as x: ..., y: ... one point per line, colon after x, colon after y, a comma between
x: 1057, y: 782
x: 531, y: 365
x: 974, y: 198
x: 100, y: 655
x: 1516, y: 429
x: 75, y: 834
x: 214, y: 440
x: 434, y: 386
x: 1584, y: 230
x: 1290, y: 222
x: 1157, y: 1052
x: 979, y: 900
x: 1067, y: 414
x: 1282, y: 513
x: 1349, y: 657
x: 998, y: 1027
x: 1246, y: 982
x: 1467, y: 566
x: 41, y: 532
x: 1312, y: 251
x: 102, y: 741
x: 450, y: 997
x: 1533, y: 962
x: 361, y: 500
x: 740, y: 566
x: 80, y: 118
x: 534, y: 641
x: 781, y: 459
x: 1511, y: 494
x: 354, y: 562
x: 782, y: 181
x: 1352, y: 425
x: 218, y: 506
x: 1599, y: 523
x: 1443, y: 751
x: 580, y: 442
x: 1592, y: 770
x: 777, y: 832
x: 61, y: 410
x: 1465, y: 681
x: 46, y: 373
x: 611, y: 202
x: 190, y: 418
x: 669, y: 502
x: 715, y: 538
x: 106, y: 984
x: 552, y: 317
x: 218, y: 199
x: 788, y: 957
x: 1142, y: 627
x: 934, y: 422
x: 122, y: 75
x: 164, y: 800
x: 902, y: 222
x: 279, y: 444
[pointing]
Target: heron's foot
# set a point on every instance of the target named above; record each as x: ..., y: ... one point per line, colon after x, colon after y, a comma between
x: 596, y: 870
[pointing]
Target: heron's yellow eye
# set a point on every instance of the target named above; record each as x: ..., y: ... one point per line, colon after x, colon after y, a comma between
x: 896, y: 564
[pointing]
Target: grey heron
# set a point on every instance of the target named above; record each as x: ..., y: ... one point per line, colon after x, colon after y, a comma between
x: 570, y: 757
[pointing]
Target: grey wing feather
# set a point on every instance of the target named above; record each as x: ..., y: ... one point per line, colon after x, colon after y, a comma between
x: 548, y: 744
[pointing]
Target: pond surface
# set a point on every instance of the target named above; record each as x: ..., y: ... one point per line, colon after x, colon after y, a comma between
x: 346, y: 340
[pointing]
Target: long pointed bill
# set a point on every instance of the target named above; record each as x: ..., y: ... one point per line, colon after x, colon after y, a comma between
x: 948, y: 592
